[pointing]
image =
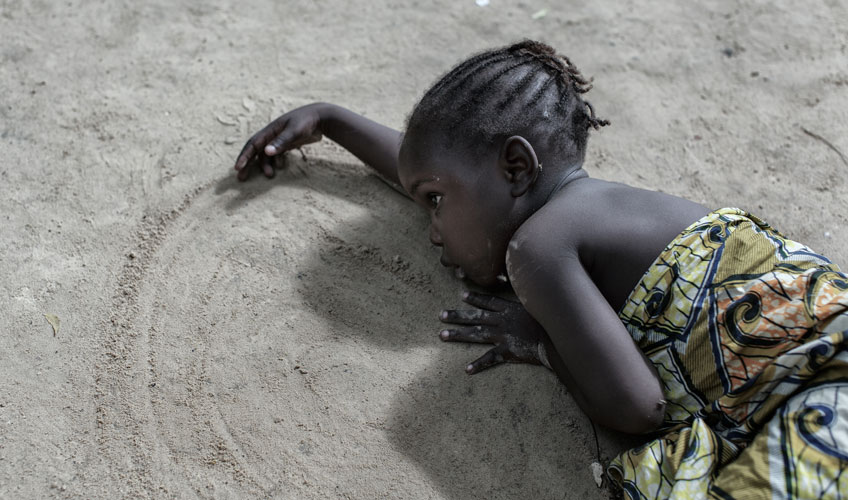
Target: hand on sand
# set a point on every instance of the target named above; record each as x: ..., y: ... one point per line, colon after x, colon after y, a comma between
x: 518, y: 338
x: 290, y: 131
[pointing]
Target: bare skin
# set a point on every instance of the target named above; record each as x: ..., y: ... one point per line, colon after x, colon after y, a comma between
x: 573, y: 248
x: 376, y: 145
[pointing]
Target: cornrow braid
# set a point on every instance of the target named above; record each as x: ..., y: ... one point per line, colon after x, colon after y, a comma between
x: 525, y: 88
x: 563, y: 66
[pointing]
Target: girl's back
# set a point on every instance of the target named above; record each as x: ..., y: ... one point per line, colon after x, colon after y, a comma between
x: 619, y: 230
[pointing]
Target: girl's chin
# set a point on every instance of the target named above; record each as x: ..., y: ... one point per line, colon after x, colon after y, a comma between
x: 484, y: 281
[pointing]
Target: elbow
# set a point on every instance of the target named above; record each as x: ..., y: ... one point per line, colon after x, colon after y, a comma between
x: 642, y: 416
x: 646, y: 420
x: 646, y: 415
x: 644, y: 409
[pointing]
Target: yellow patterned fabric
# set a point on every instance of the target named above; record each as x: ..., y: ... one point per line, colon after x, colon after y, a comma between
x: 748, y: 332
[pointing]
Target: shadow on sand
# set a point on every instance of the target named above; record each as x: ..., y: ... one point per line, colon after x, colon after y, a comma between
x: 511, y: 431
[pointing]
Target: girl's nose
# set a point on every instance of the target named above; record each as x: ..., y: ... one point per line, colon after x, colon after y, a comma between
x: 435, y: 237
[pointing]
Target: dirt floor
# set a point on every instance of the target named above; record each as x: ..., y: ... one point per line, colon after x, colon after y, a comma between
x: 278, y: 338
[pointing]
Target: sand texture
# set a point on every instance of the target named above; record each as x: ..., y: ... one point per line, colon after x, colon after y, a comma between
x: 277, y: 339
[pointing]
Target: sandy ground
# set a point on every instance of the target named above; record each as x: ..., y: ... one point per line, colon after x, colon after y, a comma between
x: 278, y: 339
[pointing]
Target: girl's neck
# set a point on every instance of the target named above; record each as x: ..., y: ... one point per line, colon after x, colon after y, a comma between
x: 575, y: 174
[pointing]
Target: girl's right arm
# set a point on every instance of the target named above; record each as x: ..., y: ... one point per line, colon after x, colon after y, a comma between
x: 376, y: 145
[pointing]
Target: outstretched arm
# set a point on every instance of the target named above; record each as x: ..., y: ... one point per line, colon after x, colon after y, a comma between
x: 375, y: 144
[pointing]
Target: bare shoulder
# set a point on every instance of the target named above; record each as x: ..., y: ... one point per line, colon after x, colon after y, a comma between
x: 561, y: 226
x: 609, y: 231
x: 549, y: 241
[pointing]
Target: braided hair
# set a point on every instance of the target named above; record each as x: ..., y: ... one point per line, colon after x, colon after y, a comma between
x: 522, y: 89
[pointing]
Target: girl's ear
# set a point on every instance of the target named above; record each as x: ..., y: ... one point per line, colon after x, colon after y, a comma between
x: 518, y: 162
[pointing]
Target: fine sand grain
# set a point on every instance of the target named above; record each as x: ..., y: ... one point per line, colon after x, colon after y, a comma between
x: 278, y: 338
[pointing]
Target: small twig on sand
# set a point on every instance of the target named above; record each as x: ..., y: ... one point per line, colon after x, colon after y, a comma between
x: 305, y: 160
x: 246, y: 264
x: 827, y: 143
x: 597, y: 443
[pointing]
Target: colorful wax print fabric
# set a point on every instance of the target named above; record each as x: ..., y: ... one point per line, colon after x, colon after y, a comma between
x: 747, y: 331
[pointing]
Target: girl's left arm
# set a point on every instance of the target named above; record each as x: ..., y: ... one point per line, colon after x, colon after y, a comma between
x: 593, y: 354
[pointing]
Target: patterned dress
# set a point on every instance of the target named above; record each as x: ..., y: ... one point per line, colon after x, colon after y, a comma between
x: 748, y: 332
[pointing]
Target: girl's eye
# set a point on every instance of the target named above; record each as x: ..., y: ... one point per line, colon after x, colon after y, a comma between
x: 434, y: 199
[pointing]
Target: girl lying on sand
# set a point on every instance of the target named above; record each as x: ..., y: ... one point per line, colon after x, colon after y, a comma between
x: 708, y: 328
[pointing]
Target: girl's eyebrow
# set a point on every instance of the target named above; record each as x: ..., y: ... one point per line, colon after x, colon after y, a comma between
x: 416, y: 185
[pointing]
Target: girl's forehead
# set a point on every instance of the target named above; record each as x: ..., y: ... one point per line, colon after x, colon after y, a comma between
x: 419, y: 156
x: 418, y: 144
x: 415, y: 170
x: 431, y: 154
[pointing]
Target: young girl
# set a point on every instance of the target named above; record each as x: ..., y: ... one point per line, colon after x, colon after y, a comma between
x: 708, y: 328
